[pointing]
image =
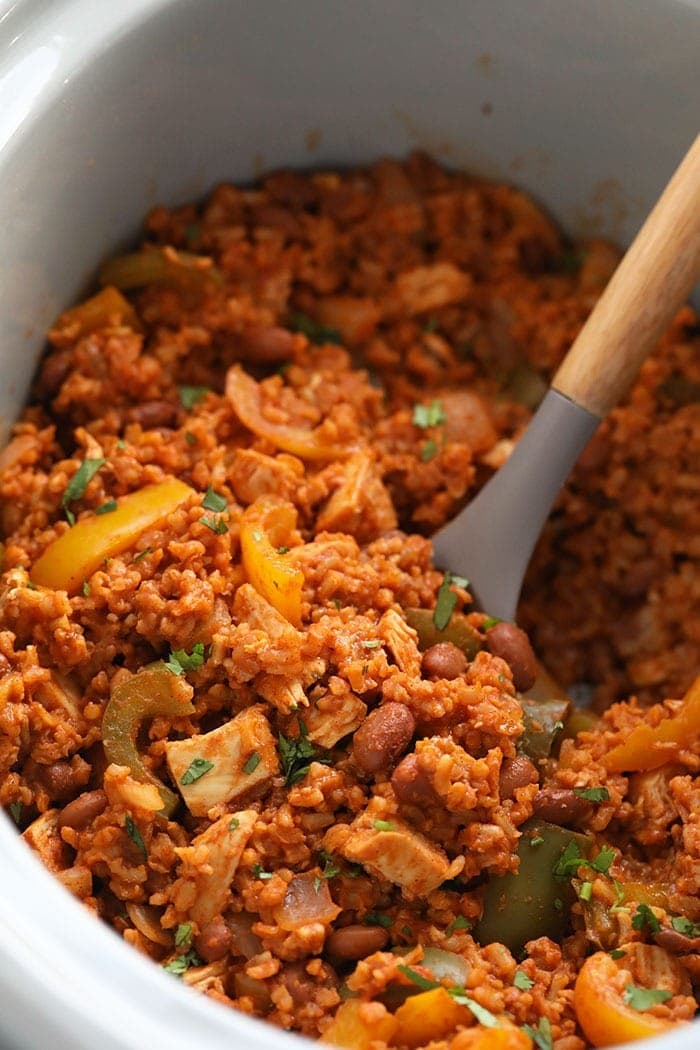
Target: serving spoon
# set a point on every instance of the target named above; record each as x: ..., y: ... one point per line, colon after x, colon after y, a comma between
x: 491, y: 540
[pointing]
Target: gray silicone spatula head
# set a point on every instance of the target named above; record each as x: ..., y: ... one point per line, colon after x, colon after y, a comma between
x: 491, y: 540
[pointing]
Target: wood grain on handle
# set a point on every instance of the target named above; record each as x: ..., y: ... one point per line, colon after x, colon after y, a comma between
x: 650, y: 284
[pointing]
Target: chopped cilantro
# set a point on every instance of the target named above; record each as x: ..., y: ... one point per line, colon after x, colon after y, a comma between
x: 542, y: 1035
x: 593, y: 794
x: 190, y: 395
x: 373, y: 643
x: 217, y: 525
x: 619, y: 897
x: 457, y: 992
x: 490, y: 622
x: 16, y: 811
x: 429, y: 450
x: 182, y: 963
x: 617, y: 953
x: 570, y: 861
x: 644, y: 919
x: 446, y: 599
x: 213, y: 501
x: 32, y: 586
x: 190, y: 438
x: 384, y: 825
x: 121, y: 445
x: 314, y: 331
x: 644, y: 998
x: 522, y: 981
x: 135, y: 835
x: 585, y: 891
x: 337, y: 603
x: 260, y: 873
x: 330, y: 866
x: 196, y: 769
x: 685, y: 926
x: 604, y: 859
x: 283, y: 550
x: 378, y: 918
x: 183, y: 934
x: 459, y: 923
x: 106, y: 508
x: 181, y: 661
x: 432, y: 415
x: 85, y: 589
x: 406, y: 931
x: 233, y: 823
x: 78, y: 483
x: 536, y: 841
x: 252, y: 763
x: 143, y: 553
x: 296, y: 754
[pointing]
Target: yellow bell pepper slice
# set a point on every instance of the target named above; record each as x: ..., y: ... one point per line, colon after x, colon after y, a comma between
x: 353, y: 1031
x: 79, y: 551
x: 153, y: 691
x: 648, y: 747
x: 107, y: 307
x: 429, y: 1016
x: 601, y: 1010
x: 243, y: 392
x: 266, y: 527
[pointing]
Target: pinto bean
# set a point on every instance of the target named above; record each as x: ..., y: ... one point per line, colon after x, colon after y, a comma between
x: 411, y: 784
x: 355, y: 942
x: 214, y: 940
x: 302, y: 986
x: 267, y: 344
x: 383, y: 736
x: 152, y: 414
x: 60, y: 780
x: 513, y: 645
x: 444, y: 660
x: 516, y: 773
x: 81, y: 812
x: 559, y: 806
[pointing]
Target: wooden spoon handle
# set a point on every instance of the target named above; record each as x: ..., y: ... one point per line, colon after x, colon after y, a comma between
x: 650, y: 284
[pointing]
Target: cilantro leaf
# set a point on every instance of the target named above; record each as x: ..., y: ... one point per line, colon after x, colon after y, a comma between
x: 252, y: 762
x: 183, y: 963
x: 460, y: 923
x: 314, y: 331
x: 542, y: 1035
x: 617, y: 953
x: 330, y: 866
x: 75, y: 488
x: 197, y: 768
x: 522, y: 981
x: 685, y: 926
x: 644, y: 919
x: 384, y: 825
x: 142, y: 554
x: 569, y: 862
x: 593, y: 794
x: 135, y: 835
x: 432, y: 415
x: 217, y: 525
x: 213, y: 501
x: 183, y: 934
x: 296, y: 755
x: 446, y: 599
x: 190, y: 395
x: 644, y: 998
x: 604, y: 859
x: 483, y: 1016
x: 260, y: 873
x: 490, y: 622
x: 181, y: 661
x: 426, y: 984
x: 15, y: 811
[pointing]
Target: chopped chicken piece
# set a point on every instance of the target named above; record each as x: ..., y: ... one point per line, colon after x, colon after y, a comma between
x: 208, y: 865
x: 123, y: 790
x: 44, y: 837
x: 335, y: 714
x: 401, y: 641
x: 362, y: 505
x: 242, y: 753
x: 251, y: 608
x: 286, y: 694
x: 390, y: 849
